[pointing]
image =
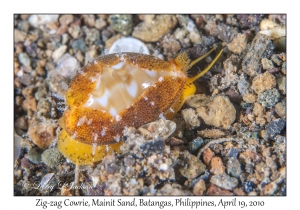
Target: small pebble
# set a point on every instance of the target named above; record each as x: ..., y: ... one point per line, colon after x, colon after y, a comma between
x: 42, y: 133
x: 199, y: 187
x: 263, y: 82
x: 26, y: 164
x: 195, y: 145
x: 51, y: 157
x: 234, y: 167
x: 34, y: 155
x: 154, y: 146
x: 92, y: 36
x: 224, y: 181
x: 230, y: 69
x: 44, y: 108
x: 243, y: 86
x: 249, y: 21
x: 233, y: 95
x: 159, y: 27
x: 39, y: 20
x: 17, y: 146
x: 29, y: 104
x: 233, y: 153
x: 21, y: 123
x: 19, y: 36
x: 267, y: 151
x: 282, y: 84
x: 261, y: 47
x: 239, y: 192
x: 269, y: 98
x: 192, y: 166
x: 276, y: 60
x: 172, y: 141
x: 267, y: 24
x: 207, y: 155
x: 66, y: 19
x: 121, y: 23
x: 248, y: 186
x: 280, y: 109
x: 270, y: 189
x: 75, y: 31
x: 211, y: 133
x: 275, y: 32
x: 267, y: 64
x: 23, y: 26
x: 24, y: 59
x: 220, y: 112
x: 100, y: 23
x: 198, y: 100
x: 67, y: 66
x: 79, y: 44
x: 258, y: 110
x: 271, y: 163
x: 224, y: 32
x: 275, y: 127
x: 216, y: 165
x: 280, y: 43
x: 238, y: 44
x: 246, y: 106
x: 59, y: 52
x: 89, y: 20
x: 216, y: 191
x: 171, y: 47
x: 195, y: 36
x: 249, y: 98
x: 263, y: 134
x: 147, y: 18
x: 191, y: 118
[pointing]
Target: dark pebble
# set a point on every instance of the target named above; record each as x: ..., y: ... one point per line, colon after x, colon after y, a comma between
x: 261, y: 47
x: 195, y: 145
x: 32, y: 49
x: 189, y: 134
x: 233, y: 153
x: 233, y: 95
x: 249, y: 21
x: 79, y: 44
x: 246, y: 105
x: 196, y: 51
x: 275, y: 127
x: 156, y: 146
x: 248, y: 186
x: 280, y: 43
x: 26, y: 164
